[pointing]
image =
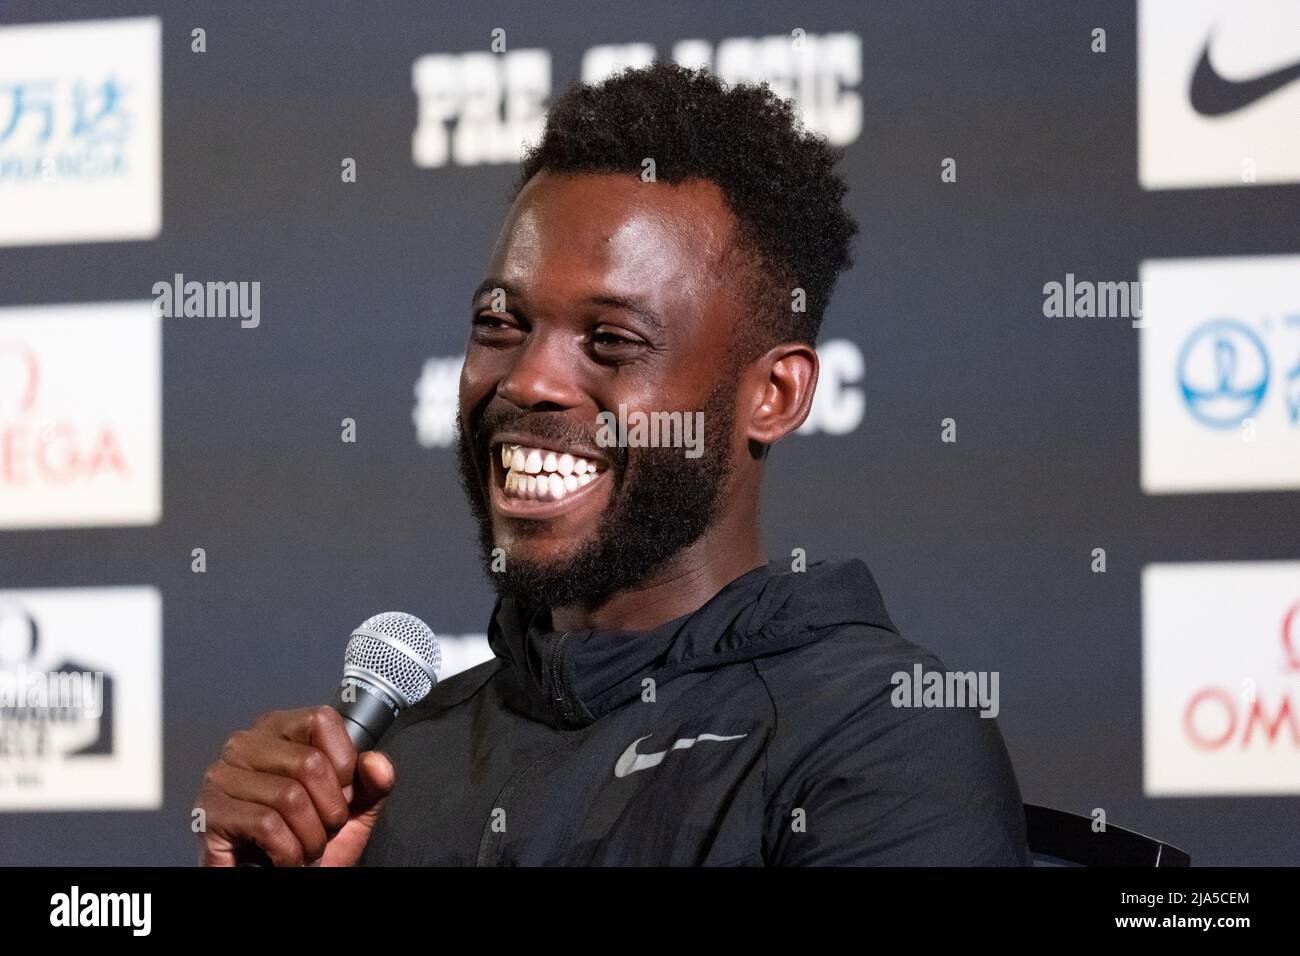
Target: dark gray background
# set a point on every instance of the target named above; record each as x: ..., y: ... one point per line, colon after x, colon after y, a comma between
x: 982, y: 548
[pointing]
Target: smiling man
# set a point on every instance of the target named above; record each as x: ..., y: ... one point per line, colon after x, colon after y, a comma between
x: 660, y: 694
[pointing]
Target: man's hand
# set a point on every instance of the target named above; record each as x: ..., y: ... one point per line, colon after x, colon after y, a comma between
x: 293, y: 785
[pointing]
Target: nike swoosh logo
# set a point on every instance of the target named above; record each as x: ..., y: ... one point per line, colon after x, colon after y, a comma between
x: 631, y: 761
x: 1212, y: 95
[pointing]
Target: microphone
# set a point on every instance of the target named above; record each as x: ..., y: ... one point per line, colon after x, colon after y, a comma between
x: 391, y: 663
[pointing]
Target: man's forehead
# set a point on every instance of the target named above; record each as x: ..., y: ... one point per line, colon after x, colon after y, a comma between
x: 614, y: 230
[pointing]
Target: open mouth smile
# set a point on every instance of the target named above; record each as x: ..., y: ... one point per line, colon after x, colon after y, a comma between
x: 531, y: 481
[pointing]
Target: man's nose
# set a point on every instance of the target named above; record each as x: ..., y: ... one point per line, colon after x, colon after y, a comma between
x: 543, y: 377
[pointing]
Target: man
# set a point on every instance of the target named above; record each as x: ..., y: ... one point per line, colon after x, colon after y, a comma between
x: 660, y: 694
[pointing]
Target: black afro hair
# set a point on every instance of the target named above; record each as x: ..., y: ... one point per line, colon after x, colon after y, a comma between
x: 778, y: 179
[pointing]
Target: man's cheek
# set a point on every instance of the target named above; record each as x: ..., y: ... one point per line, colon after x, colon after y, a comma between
x: 476, y: 379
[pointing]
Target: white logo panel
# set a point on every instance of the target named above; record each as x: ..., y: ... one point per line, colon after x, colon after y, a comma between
x: 1221, y: 678
x: 80, y: 415
x: 80, y: 131
x: 1218, y: 92
x: 81, y: 699
x: 1220, y: 374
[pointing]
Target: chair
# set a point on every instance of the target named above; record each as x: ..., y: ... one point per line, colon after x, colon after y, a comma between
x: 1057, y: 838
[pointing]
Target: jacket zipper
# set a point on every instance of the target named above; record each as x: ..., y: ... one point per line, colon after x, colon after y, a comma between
x: 490, y: 843
x: 557, y: 678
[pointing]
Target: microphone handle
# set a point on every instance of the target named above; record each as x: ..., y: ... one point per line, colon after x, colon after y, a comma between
x: 366, y: 714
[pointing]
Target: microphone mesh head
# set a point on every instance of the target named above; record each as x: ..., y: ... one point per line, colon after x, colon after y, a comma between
x: 403, y: 655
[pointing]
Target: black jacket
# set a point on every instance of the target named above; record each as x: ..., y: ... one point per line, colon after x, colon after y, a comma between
x: 756, y: 730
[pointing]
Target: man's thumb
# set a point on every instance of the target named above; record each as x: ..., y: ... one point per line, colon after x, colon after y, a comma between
x: 375, y: 778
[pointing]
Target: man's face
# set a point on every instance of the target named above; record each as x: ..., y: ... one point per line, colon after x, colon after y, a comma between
x: 612, y: 296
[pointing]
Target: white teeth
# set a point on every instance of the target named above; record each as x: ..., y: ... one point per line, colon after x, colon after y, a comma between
x: 537, y: 460
x: 542, y: 474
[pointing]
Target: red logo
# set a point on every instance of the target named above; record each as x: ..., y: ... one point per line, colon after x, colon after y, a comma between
x: 1288, y: 638
x: 1216, y: 717
x: 53, y: 450
x: 25, y: 373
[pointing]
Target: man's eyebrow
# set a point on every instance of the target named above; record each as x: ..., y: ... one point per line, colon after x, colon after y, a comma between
x: 626, y: 303
x: 648, y: 315
x: 489, y: 284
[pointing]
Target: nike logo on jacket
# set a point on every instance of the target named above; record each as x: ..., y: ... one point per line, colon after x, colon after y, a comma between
x: 774, y: 743
x: 631, y: 761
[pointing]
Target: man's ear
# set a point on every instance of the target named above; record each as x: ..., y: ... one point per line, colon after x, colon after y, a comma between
x: 781, y: 382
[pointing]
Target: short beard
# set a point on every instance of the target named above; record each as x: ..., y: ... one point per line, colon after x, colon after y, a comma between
x: 669, y: 503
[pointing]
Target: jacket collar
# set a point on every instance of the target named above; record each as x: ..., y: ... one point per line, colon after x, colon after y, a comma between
x: 570, y: 679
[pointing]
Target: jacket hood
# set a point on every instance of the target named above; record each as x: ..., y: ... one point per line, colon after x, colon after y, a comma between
x: 572, y: 678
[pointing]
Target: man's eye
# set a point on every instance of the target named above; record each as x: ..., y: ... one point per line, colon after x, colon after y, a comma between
x: 491, y: 322
x: 612, y: 340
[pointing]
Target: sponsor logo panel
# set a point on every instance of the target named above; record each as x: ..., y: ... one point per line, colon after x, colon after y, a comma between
x: 80, y: 415
x: 1221, y: 678
x: 1220, y: 374
x: 81, y: 699
x: 80, y: 131
x: 1218, y: 93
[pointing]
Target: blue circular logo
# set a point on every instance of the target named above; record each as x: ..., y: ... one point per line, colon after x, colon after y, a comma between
x: 1222, y: 373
